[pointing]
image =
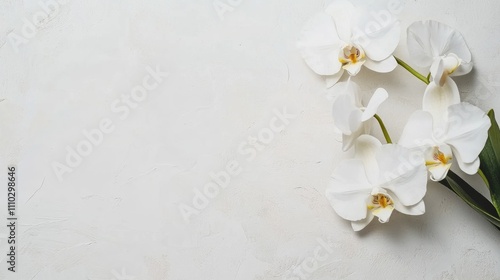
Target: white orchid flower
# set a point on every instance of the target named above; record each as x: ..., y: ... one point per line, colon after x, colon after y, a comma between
x: 350, y: 116
x: 379, y: 180
x: 340, y: 39
x: 443, y: 50
x: 462, y: 137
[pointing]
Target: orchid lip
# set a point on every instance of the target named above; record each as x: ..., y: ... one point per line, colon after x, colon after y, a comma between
x: 351, y: 54
x: 438, y: 157
x: 381, y: 204
x: 380, y: 201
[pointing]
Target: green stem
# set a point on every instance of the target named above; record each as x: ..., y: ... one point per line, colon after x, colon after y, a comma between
x: 481, y: 174
x: 384, y: 130
x: 412, y: 71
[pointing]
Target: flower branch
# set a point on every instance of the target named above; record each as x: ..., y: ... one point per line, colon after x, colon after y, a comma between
x: 384, y: 129
x: 444, y: 131
x: 413, y: 71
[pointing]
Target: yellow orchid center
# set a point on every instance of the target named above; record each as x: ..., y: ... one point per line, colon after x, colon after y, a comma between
x: 382, y: 200
x: 381, y: 204
x: 441, y: 157
x: 351, y: 54
x: 438, y: 157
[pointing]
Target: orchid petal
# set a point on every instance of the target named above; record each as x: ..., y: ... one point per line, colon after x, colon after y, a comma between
x: 439, y: 171
x: 361, y: 224
x: 467, y: 131
x: 353, y: 68
x: 383, y: 214
x: 378, y: 42
x: 379, y: 96
x: 348, y: 87
x: 469, y: 168
x: 403, y: 172
x: 451, y: 62
x: 418, y: 131
x: 449, y: 65
x: 339, y: 89
x: 319, y: 45
x: 331, y: 80
x: 355, y: 120
x: 342, y: 12
x: 366, y: 148
x: 345, y: 103
x: 349, y: 189
x: 341, y: 114
x: 383, y: 66
x: 414, y: 210
x: 418, y: 42
x: 464, y: 68
x: 348, y: 140
x: 430, y: 39
x: 437, y: 100
x: 437, y: 72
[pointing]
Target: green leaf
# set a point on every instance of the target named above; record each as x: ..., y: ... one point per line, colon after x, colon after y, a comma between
x: 472, y: 197
x: 490, y: 161
x: 471, y: 193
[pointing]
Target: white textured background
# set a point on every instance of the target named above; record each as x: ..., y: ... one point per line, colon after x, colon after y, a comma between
x: 116, y: 216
